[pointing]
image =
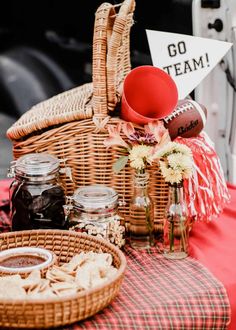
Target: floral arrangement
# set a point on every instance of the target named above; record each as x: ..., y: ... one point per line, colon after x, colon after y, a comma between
x: 194, y: 159
x: 141, y: 146
x: 176, y: 162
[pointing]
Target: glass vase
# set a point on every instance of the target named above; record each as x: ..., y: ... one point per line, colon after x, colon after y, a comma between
x: 141, y: 226
x: 176, y: 228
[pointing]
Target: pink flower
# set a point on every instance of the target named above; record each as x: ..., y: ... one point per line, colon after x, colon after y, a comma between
x: 163, y: 140
x: 137, y: 137
x: 159, y: 131
x: 128, y: 129
x: 114, y: 138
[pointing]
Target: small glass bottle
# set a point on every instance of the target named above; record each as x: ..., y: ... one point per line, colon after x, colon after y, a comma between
x: 36, y: 196
x: 141, y: 226
x: 176, y: 228
x: 94, y: 210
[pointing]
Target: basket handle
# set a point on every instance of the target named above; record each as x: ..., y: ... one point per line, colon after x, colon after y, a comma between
x: 104, y: 20
x: 109, y: 65
x: 118, y: 63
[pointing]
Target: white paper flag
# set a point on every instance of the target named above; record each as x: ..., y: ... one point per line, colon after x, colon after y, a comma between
x: 186, y: 59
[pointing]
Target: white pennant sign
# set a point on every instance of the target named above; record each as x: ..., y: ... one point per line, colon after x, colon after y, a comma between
x: 186, y: 59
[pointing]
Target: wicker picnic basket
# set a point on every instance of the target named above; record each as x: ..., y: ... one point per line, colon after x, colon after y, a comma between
x: 73, y: 125
x: 55, y: 312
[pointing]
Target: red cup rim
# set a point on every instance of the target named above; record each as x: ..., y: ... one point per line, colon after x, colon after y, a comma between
x: 146, y: 119
x: 143, y: 118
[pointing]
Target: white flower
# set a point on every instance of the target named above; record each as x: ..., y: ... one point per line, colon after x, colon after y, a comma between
x: 171, y: 175
x: 164, y: 151
x: 174, y: 176
x: 163, y: 168
x: 176, y: 163
x: 140, y: 151
x: 139, y: 155
x: 138, y: 164
x: 179, y: 161
x: 171, y: 148
x: 178, y: 147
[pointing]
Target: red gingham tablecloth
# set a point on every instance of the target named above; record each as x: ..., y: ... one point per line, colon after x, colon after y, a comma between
x: 4, y: 206
x: 158, y: 294
x: 164, y: 294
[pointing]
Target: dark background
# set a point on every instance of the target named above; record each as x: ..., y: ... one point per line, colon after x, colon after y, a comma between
x: 63, y: 32
x: 46, y: 48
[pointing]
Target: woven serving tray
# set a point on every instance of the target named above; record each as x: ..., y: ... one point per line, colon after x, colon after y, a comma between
x: 55, y: 312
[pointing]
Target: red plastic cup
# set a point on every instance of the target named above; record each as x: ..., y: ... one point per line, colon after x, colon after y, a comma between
x: 149, y: 94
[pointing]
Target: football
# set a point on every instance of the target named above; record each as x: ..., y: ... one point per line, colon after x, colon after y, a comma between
x: 187, y: 120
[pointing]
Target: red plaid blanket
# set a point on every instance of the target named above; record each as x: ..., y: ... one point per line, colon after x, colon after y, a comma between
x: 157, y: 293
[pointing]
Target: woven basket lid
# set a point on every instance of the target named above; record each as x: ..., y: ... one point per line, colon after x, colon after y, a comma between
x: 111, y: 63
x: 62, y: 108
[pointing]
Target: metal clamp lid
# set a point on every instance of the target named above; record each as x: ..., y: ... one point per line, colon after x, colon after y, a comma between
x: 36, y: 165
x: 11, y: 169
x: 95, y: 197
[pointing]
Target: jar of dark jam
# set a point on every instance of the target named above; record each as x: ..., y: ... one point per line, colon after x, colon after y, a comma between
x: 36, y: 195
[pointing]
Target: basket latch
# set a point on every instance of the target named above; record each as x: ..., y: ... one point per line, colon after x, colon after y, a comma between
x: 100, y: 122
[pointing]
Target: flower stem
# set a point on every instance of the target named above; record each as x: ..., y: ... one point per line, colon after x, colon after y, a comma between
x: 171, y: 234
x: 183, y: 234
x: 149, y: 224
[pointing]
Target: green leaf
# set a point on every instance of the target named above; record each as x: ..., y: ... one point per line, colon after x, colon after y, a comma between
x: 123, y: 151
x: 120, y: 164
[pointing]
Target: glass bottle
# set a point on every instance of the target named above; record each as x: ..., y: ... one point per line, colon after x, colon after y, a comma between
x: 36, y: 196
x: 176, y: 229
x: 94, y: 210
x: 141, y: 226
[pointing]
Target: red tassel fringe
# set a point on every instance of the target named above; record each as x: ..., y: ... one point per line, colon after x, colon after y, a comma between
x: 206, y: 192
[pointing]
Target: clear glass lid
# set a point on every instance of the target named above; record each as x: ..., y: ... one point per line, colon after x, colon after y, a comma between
x: 95, y: 197
x: 36, y: 164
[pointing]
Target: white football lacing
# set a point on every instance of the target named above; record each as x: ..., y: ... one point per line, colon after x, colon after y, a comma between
x: 178, y: 110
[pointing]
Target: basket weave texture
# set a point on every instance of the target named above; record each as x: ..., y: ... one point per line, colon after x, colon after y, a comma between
x: 73, y: 125
x: 55, y: 312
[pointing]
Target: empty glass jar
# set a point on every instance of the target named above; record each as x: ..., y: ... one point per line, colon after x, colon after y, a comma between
x: 94, y: 210
x: 141, y: 220
x: 36, y: 195
x: 176, y: 224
